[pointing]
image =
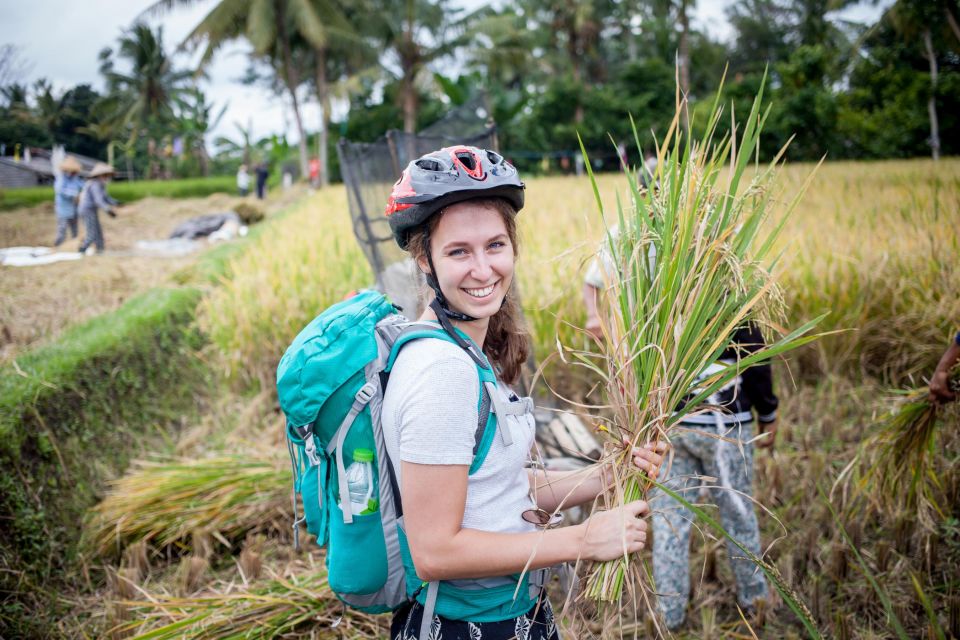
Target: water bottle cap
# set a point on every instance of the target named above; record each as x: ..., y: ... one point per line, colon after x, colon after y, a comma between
x: 362, y: 455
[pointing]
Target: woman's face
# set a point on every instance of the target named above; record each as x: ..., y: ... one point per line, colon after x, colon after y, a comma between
x: 474, y: 258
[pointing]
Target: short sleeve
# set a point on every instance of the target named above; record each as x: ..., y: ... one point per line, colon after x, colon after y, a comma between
x: 436, y: 413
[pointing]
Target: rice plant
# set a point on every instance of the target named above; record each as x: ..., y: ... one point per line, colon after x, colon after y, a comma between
x: 170, y: 504
x: 901, y: 456
x: 298, y: 267
x: 692, y: 263
x: 300, y: 606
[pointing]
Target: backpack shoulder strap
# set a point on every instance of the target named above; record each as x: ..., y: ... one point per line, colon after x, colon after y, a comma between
x: 486, y: 419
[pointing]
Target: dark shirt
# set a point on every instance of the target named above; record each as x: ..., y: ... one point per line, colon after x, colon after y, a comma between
x: 751, y: 390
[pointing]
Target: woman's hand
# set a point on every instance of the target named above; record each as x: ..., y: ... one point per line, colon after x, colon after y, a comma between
x: 649, y: 457
x: 606, y: 534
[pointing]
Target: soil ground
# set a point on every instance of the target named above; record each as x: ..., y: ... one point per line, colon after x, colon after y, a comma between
x: 39, y: 302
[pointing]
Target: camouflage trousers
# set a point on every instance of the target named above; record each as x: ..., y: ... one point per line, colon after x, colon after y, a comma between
x: 64, y: 225
x: 93, y: 232
x: 697, y: 453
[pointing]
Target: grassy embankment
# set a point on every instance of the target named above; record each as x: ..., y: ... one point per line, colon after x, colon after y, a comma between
x: 127, y: 191
x: 72, y: 414
x: 870, y: 242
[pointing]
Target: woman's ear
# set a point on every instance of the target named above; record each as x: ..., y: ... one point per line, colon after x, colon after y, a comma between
x: 423, y: 265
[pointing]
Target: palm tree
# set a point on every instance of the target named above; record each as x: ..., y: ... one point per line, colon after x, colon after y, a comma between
x: 326, y: 27
x: 241, y: 146
x: 427, y: 30
x: 143, y: 98
x: 270, y: 26
x: 196, y: 119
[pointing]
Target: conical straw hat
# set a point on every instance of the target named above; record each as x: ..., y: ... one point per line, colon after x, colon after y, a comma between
x: 101, y: 169
x: 70, y: 165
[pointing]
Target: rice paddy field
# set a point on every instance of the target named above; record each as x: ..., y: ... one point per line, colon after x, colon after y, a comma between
x: 39, y: 302
x: 195, y: 542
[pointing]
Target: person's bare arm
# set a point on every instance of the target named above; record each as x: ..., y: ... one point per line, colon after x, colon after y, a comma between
x: 940, y: 381
x: 590, y: 294
x: 434, y: 497
x: 564, y: 489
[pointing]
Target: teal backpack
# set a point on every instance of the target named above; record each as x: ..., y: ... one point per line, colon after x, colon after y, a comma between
x: 330, y: 384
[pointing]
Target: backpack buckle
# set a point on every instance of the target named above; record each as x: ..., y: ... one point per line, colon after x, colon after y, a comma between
x: 365, y: 394
x: 310, y: 448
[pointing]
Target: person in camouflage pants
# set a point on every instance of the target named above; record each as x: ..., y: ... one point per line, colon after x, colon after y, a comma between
x: 713, y: 452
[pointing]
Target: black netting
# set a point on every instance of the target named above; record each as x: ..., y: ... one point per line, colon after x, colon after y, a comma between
x: 369, y: 171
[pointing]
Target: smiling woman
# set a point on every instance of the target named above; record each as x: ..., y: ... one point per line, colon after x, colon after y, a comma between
x: 475, y: 552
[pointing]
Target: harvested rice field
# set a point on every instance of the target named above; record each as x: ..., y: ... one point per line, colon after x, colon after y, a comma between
x: 872, y: 245
x: 38, y: 302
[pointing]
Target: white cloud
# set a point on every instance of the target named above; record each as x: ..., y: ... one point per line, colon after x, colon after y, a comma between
x: 61, y: 40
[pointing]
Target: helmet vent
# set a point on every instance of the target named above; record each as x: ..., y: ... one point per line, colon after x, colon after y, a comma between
x: 468, y: 160
x: 494, y: 158
x: 429, y: 165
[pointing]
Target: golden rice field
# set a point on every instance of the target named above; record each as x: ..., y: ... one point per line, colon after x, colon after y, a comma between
x: 875, y: 244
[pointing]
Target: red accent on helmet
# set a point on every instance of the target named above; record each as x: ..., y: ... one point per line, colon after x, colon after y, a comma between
x: 460, y: 153
x: 401, y: 189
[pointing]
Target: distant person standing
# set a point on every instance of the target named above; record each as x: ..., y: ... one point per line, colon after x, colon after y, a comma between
x: 93, y: 198
x: 314, y: 172
x: 66, y: 189
x: 262, y: 174
x: 648, y: 171
x: 243, y: 181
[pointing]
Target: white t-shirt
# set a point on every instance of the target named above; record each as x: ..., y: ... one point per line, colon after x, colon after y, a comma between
x: 430, y: 417
x: 602, y: 267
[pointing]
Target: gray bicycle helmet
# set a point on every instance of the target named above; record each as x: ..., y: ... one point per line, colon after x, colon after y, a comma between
x: 441, y: 178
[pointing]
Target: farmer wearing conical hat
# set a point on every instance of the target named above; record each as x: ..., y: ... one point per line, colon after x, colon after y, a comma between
x: 93, y: 198
x: 66, y: 189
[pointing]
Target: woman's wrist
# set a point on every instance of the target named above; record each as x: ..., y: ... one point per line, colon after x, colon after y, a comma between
x: 573, y: 545
x: 605, y: 475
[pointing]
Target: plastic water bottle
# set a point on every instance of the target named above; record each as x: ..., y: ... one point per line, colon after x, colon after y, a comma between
x: 360, y: 483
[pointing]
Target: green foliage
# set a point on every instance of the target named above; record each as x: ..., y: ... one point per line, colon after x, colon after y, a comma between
x: 73, y: 411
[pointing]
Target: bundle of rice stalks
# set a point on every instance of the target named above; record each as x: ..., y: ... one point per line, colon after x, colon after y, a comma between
x: 299, y: 607
x: 690, y: 265
x: 178, y: 504
x: 902, y: 475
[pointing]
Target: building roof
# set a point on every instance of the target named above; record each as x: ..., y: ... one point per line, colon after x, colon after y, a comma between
x: 39, y: 162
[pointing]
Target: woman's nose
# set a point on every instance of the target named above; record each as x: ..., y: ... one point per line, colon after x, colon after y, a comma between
x: 481, y: 267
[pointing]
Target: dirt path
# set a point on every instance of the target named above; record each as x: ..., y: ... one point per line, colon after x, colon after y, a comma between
x: 37, y: 303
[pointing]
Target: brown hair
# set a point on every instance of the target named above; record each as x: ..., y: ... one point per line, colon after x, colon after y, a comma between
x: 507, y: 343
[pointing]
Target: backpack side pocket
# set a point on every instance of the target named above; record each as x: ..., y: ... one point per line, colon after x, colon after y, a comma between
x: 357, y: 554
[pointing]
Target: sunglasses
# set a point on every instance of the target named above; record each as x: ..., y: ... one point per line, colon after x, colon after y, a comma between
x: 543, y: 519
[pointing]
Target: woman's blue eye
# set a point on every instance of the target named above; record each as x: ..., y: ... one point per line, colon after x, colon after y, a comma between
x: 498, y: 244
x: 457, y: 252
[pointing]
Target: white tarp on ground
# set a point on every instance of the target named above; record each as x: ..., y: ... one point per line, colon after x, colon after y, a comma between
x: 33, y: 256
x: 172, y: 248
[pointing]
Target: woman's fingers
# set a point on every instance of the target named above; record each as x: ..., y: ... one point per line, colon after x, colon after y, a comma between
x: 638, y: 509
x: 648, y: 457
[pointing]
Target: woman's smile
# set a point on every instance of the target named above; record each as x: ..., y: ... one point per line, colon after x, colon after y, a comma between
x: 481, y: 292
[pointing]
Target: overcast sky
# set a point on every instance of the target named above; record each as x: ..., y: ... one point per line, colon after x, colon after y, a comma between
x: 60, y: 40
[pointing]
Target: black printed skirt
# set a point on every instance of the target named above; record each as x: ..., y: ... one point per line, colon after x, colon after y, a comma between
x: 536, y: 624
